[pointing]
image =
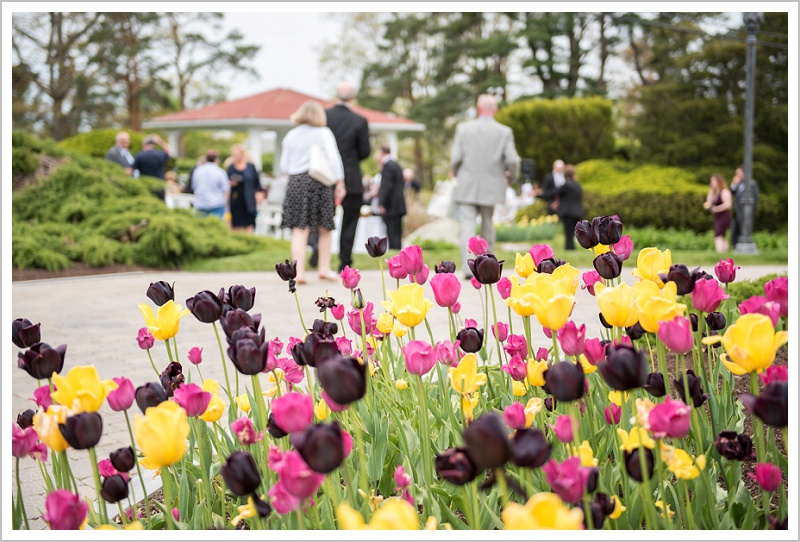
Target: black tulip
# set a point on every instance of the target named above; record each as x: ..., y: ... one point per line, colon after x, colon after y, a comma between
x: 455, y: 466
x: 241, y: 298
x: 699, y: 274
x: 486, y: 268
x: 585, y: 234
x: 25, y: 334
x: 274, y: 429
x: 471, y: 339
x: 601, y: 507
x: 565, y: 381
x: 550, y: 403
x: 680, y: 275
x: 376, y: 246
x: 487, y: 443
x: 325, y: 328
x: 445, y: 266
x: 603, y: 321
x: 42, y: 360
x: 772, y: 406
x: 548, y: 265
x: 325, y: 303
x: 237, y: 319
x: 319, y: 347
x: 655, y: 385
x: 82, y: 431
x: 25, y: 419
x: 321, y: 446
x: 624, y: 368
x: 695, y: 386
x: 776, y: 524
x: 262, y: 508
x: 123, y: 459
x: 160, y: 292
x: 608, y: 264
x: 287, y: 271
x: 115, y: 489
x: 150, y: 395
x: 172, y: 377
x: 633, y: 464
x: 241, y: 474
x: 343, y: 379
x: 298, y: 353
x: 206, y: 306
x: 591, y: 480
x: 248, y: 352
x: 635, y: 332
x: 693, y: 318
x: 529, y: 448
x: 733, y: 446
x: 716, y: 321
x: 607, y: 229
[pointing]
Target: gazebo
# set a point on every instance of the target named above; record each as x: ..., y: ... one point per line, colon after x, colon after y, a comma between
x: 269, y: 111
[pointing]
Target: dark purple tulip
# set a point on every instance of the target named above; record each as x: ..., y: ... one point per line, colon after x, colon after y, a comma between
x: 591, y: 480
x: 262, y: 508
x: 248, y: 351
x: 585, y: 235
x: 318, y: 348
x: 82, y: 431
x: 241, y: 474
x: 25, y: 334
x: 325, y: 328
x: 635, y: 332
x: 733, y: 446
x: 240, y: 297
x: 25, y: 419
x: 698, y: 274
x: 123, y: 459
x: 150, y: 395
x: 376, y: 246
x: 205, y: 306
x: 693, y: 318
x: 42, y: 360
x: 624, y: 368
x: 445, y: 266
x: 772, y: 406
x: 633, y: 464
x: 287, y: 271
x: 655, y: 385
x: 601, y: 507
x: 274, y: 429
x: 115, y: 489
x: 160, y: 292
x: 565, y: 381
x: 455, y: 466
x: 695, y: 386
x: 609, y: 265
x: 776, y: 524
x: 680, y: 275
x: 237, y: 319
x: 550, y: 403
x: 716, y: 321
x: 471, y: 339
x: 548, y: 265
x: 343, y: 379
x: 607, y: 230
x: 299, y: 355
x: 485, y: 268
x: 603, y: 321
x: 172, y: 377
x: 486, y: 441
x: 529, y: 448
x: 321, y: 446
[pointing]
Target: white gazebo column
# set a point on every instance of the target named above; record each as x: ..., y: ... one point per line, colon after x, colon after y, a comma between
x: 254, y: 145
x: 174, y: 141
x: 391, y: 140
x: 276, y: 162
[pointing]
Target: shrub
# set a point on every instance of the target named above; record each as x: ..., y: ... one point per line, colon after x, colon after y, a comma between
x: 745, y: 289
x: 97, y: 142
x: 529, y: 233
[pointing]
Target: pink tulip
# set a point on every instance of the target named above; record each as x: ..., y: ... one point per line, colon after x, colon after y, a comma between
x: 726, y: 271
x: 354, y: 320
x: 347, y: 443
x: 65, y: 511
x: 245, y: 432
x: 469, y: 322
x: 421, y: 277
x: 401, y: 478
x: 707, y: 295
x: 504, y: 287
x: 411, y: 259
x: 514, y: 415
x: 145, y: 339
x: 670, y: 419
x: 768, y: 476
x: 195, y: 355
x: 676, y: 334
x: 568, y: 479
x: 563, y: 429
x: 760, y: 304
x: 281, y: 500
x: 572, y: 338
x: 107, y: 469
x: 293, y: 411
x: 297, y: 477
x: 624, y: 247
x: 333, y: 405
x: 594, y: 350
x: 420, y: 357
x: 406, y: 496
x: 455, y: 309
x: 501, y: 333
x: 777, y: 291
x: 516, y: 345
x: 350, y: 277
x: 623, y: 340
x: 42, y: 397
x: 294, y: 341
x: 24, y: 442
x: 276, y: 346
x: 542, y: 354
x: 540, y: 252
x: 478, y: 245
x: 516, y: 368
x: 775, y: 373
x: 337, y: 311
x: 292, y: 372
x: 176, y: 514
x: 613, y: 414
x: 446, y: 289
x: 396, y: 270
x: 192, y: 399
x: 447, y: 353
x: 590, y: 278
x: 121, y: 398
x: 345, y: 345
x: 475, y: 284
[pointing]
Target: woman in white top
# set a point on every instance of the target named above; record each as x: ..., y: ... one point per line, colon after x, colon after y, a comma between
x: 308, y: 203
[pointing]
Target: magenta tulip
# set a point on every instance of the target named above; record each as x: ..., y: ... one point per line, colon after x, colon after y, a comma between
x: 590, y: 278
x: 670, y: 419
x: 707, y: 295
x: 613, y: 414
x: 478, y: 245
x: 145, y: 339
x: 572, y: 338
x: 516, y: 368
x: 542, y: 354
x: 121, y: 398
x: 41, y: 396
x: 354, y: 319
x: 516, y: 345
x: 195, y: 355
x: 333, y: 405
x: 777, y: 291
x: 401, y: 478
x: 411, y: 259
x: 350, y: 277
x: 624, y: 247
x: 345, y: 345
x: 396, y: 270
x: 245, y: 432
x: 292, y: 372
x: 568, y: 479
x: 726, y: 271
x: 420, y: 357
x: 421, y: 277
x: 504, y: 287
x: 192, y: 399
x: 760, y: 304
x: 65, y: 511
x: 455, y: 309
x: 446, y: 289
x: 24, y: 442
x: 447, y: 353
x: 514, y: 415
x: 775, y: 373
x: 475, y: 284
x: 594, y: 350
x: 293, y: 411
x: 281, y: 500
x: 297, y: 477
x: 768, y: 476
x: 676, y: 334
x: 541, y: 252
x: 501, y: 333
x: 563, y: 428
x: 337, y: 311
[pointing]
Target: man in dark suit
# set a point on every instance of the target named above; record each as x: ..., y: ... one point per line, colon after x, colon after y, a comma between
x: 391, y: 197
x: 553, y: 180
x: 352, y: 138
x: 151, y: 161
x: 120, y: 153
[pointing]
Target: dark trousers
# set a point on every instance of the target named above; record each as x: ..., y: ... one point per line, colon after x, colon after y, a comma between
x: 394, y: 230
x: 569, y: 223
x: 351, y: 207
x: 735, y: 229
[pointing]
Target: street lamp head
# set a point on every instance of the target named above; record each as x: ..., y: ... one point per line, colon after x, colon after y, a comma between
x: 752, y: 20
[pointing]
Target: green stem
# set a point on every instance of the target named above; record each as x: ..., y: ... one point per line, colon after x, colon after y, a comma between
x: 430, y: 333
x: 152, y: 363
x: 662, y: 364
x: 526, y: 322
x: 556, y: 353
x: 496, y: 339
x: 168, y: 498
x: 123, y: 517
x: 383, y: 280
x: 138, y: 468
x: 97, y: 485
x: 175, y: 346
x: 299, y: 313
x: 20, y: 502
x: 425, y: 443
x: 224, y: 364
x: 169, y: 351
x: 67, y: 474
x: 689, y: 513
x: 503, y: 486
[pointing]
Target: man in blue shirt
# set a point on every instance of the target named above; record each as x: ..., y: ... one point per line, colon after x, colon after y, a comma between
x: 152, y: 162
x: 211, y: 187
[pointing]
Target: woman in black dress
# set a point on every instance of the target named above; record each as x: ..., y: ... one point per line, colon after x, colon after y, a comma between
x: 246, y: 191
x: 719, y: 202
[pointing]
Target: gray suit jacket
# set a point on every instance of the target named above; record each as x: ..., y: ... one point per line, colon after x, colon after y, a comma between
x: 114, y: 154
x: 483, y: 150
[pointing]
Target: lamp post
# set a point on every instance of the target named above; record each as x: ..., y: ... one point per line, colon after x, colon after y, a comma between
x: 745, y: 244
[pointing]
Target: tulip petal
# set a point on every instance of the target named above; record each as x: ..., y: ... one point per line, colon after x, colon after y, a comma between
x: 732, y: 367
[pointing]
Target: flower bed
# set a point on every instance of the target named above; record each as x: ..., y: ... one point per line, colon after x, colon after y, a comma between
x: 472, y: 430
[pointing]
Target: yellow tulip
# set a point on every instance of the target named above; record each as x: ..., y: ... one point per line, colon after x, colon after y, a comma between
x: 567, y: 279
x: 385, y: 323
x: 552, y: 302
x: 750, y: 344
x: 46, y: 426
x: 322, y: 411
x: 524, y: 265
x: 161, y: 434
x: 520, y: 299
x: 650, y: 263
x: 532, y: 408
x: 617, y: 304
x: 401, y: 384
x: 166, y: 322
x: 656, y: 305
x: 619, y: 508
x: 585, y: 453
x: 588, y: 368
x: 465, y: 378
x: 408, y: 304
x: 468, y: 404
x: 664, y: 513
x: 399, y: 330
x: 616, y: 397
x: 82, y: 390
x: 518, y: 388
x: 215, y: 407
x: 536, y: 371
x: 631, y: 441
x: 683, y: 466
x: 135, y: 526
x: 244, y: 402
x: 432, y: 524
x: 394, y: 514
x: 599, y: 249
x: 542, y: 511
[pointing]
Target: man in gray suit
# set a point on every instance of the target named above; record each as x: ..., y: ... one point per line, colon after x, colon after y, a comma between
x: 120, y: 154
x: 482, y: 160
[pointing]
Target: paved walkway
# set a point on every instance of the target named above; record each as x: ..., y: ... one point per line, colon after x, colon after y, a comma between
x: 97, y: 318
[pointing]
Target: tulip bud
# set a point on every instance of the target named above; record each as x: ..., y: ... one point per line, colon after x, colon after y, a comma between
x: 707, y: 295
x: 64, y: 510
x: 240, y: 474
x: 150, y: 395
x: 655, y: 385
x: 206, y: 306
x: 563, y: 428
x: 123, y: 459
x: 25, y: 334
x: 624, y: 247
x: 486, y: 441
x: 470, y: 339
x: 550, y: 403
x: 455, y: 466
x: 41, y: 360
x: 585, y: 235
x: 613, y: 414
x: 446, y: 289
x: 321, y: 446
x: 287, y: 271
x: 716, y: 321
x: 350, y: 277
x: 590, y: 278
x: 516, y: 368
x: 82, y: 431
x: 293, y: 411
x: 693, y: 318
x: 411, y: 259
x: 680, y: 275
x: 420, y: 357
x: 240, y: 297
x: 565, y: 381
x: 726, y: 271
x: 344, y: 379
x: 608, y: 265
x: 733, y: 446
x: 25, y: 419
x: 607, y: 230
x: 356, y: 299
x: 485, y: 268
x: 772, y: 406
x: 160, y: 292
x: 777, y: 291
x: 601, y: 507
x: 572, y: 338
x: 274, y: 429
x: 635, y: 332
x: 529, y: 448
x: 396, y: 270
x: 376, y: 246
x: 624, y: 368
x: 669, y: 419
x: 695, y: 387
x: 115, y: 489
x: 768, y: 477
x: 477, y: 245
x: 633, y: 464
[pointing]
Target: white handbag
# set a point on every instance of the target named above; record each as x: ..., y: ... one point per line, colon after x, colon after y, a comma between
x: 320, y: 168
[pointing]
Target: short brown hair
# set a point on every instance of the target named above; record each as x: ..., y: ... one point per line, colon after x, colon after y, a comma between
x: 311, y: 113
x: 569, y: 171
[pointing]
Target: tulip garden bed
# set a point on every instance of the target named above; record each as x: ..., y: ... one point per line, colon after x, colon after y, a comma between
x: 365, y: 419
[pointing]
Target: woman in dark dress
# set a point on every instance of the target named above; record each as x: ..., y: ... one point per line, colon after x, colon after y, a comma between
x: 719, y: 202
x: 570, y: 205
x: 246, y: 191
